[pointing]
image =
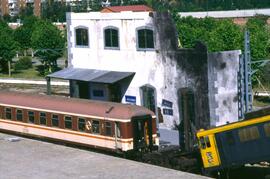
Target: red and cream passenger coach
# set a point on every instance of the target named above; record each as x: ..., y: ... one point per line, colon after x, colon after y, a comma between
x: 106, y: 125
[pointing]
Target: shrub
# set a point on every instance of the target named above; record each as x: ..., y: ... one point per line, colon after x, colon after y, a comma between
x: 23, y: 64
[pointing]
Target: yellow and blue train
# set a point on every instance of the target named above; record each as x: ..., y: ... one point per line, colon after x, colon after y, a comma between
x: 236, y: 144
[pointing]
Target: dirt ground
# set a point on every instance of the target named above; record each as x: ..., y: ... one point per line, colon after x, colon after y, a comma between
x: 37, y: 89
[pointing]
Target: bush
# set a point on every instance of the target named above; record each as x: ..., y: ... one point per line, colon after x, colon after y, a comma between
x: 23, y: 64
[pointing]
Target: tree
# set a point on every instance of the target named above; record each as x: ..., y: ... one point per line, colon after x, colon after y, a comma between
x: 49, y: 43
x: 23, y: 33
x: 8, y: 47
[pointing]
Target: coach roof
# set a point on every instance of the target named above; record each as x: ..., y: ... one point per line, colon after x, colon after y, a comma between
x: 73, y: 106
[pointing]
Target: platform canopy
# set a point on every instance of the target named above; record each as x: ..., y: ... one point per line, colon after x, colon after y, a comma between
x: 90, y: 75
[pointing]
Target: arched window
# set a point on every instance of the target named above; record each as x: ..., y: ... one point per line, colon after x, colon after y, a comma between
x: 111, y: 39
x: 145, y: 38
x: 81, y: 36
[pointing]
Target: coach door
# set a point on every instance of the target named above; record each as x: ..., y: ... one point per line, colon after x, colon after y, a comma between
x: 117, y: 135
x: 142, y: 132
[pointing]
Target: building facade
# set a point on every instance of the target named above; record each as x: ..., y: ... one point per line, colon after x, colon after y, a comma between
x: 133, y: 57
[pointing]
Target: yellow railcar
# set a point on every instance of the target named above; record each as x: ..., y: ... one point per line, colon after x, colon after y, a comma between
x: 236, y: 144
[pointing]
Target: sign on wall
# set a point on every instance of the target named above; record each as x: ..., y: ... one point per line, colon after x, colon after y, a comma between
x: 167, y: 111
x: 167, y: 103
x: 168, y: 107
x: 130, y: 99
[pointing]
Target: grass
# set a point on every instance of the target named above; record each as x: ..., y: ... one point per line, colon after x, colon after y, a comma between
x: 261, y: 101
x: 30, y: 73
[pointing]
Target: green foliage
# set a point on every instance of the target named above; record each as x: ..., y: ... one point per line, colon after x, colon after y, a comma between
x: 23, y: 64
x: 49, y: 43
x: 259, y: 38
x: 8, y: 46
x: 218, y: 35
x: 23, y: 33
x: 54, y: 11
x: 225, y: 36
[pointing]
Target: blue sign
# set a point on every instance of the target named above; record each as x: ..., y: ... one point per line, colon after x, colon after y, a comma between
x: 130, y: 99
x: 167, y: 111
x: 167, y: 103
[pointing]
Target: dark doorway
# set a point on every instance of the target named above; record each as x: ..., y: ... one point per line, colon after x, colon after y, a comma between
x: 115, y: 93
x: 142, y: 132
x: 148, y: 97
x: 83, y: 89
x: 187, y: 127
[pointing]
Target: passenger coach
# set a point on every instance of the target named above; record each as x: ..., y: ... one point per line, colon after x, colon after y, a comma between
x: 106, y: 125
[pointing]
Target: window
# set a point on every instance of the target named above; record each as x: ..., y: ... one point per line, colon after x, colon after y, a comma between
x: 31, y: 117
x: 202, y: 142
x: 247, y: 134
x: 19, y: 115
x: 81, y: 36
x: 7, y: 113
x: 267, y: 129
x: 111, y: 38
x: 108, y: 129
x: 42, y: 118
x: 95, y: 127
x: 98, y: 93
x: 207, y: 141
x: 81, y: 124
x: 55, y: 120
x: 145, y: 39
x: 68, y: 122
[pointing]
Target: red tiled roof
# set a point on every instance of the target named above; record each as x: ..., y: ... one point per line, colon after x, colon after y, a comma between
x: 134, y: 8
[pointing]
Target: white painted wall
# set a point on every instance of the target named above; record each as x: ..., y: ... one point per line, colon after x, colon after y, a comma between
x: 147, y: 65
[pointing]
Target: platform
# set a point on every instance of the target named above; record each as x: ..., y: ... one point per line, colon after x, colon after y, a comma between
x: 27, y: 158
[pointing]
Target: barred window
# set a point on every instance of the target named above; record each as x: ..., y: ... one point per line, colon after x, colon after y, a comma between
x: 108, y: 129
x: 81, y: 36
x: 111, y: 38
x: 42, y: 118
x: 267, y: 129
x: 31, y: 117
x: 68, y: 122
x: 8, y: 113
x: 81, y: 124
x: 145, y: 39
x: 55, y: 120
x: 248, y: 134
x: 19, y: 115
x: 95, y: 127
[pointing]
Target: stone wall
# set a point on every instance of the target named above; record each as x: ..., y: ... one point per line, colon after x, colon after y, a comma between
x: 223, y: 92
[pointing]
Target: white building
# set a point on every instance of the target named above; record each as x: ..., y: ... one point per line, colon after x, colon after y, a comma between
x: 133, y: 57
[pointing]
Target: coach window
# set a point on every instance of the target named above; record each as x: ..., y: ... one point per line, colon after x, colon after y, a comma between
x: 42, y: 118
x: 82, y: 37
x: 81, y: 124
x: 267, y: 129
x: 202, y: 142
x: 248, y: 134
x: 108, y: 129
x: 55, y: 120
x: 68, y: 122
x: 19, y: 115
x: 8, y: 113
x: 31, y: 117
x: 111, y: 38
x: 145, y: 39
x: 207, y: 141
x: 95, y: 127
